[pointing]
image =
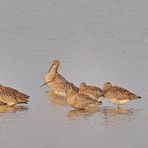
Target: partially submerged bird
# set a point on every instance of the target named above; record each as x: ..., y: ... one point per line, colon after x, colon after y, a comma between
x: 11, y: 97
x: 61, y: 88
x: 81, y: 101
x: 118, y: 95
x: 57, y: 82
x: 92, y: 91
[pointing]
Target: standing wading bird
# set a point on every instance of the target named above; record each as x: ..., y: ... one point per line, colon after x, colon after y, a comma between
x: 11, y: 97
x: 118, y: 95
x: 57, y: 82
x: 92, y: 91
x: 81, y: 101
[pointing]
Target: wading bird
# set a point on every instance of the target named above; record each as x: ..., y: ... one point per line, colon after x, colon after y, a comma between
x: 118, y: 95
x: 81, y: 101
x: 57, y: 82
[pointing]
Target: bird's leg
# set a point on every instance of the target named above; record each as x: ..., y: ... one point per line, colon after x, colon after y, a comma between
x: 118, y: 107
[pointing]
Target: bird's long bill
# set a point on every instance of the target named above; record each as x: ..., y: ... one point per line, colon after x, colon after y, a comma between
x: 43, y: 84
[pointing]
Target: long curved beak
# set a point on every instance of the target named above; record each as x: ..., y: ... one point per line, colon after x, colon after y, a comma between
x: 45, y: 83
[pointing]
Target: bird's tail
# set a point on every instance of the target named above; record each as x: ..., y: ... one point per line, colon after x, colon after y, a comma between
x: 139, y: 97
x: 23, y: 100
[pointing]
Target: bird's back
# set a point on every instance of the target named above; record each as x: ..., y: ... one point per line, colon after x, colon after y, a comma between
x: 120, y: 93
x: 62, y: 88
x: 82, y: 101
x: 93, y: 92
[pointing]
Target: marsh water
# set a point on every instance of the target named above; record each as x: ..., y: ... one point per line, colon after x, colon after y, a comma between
x: 96, y: 41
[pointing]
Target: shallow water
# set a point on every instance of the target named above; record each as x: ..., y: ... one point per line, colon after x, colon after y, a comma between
x: 96, y: 41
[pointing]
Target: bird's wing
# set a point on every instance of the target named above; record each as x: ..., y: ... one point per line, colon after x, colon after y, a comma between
x: 87, y: 100
x: 122, y: 93
x: 95, y: 91
x: 12, y: 93
x: 66, y: 86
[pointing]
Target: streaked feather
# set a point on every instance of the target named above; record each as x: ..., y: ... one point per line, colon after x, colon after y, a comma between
x: 58, y: 83
x: 118, y: 95
x: 8, y: 95
x: 81, y: 101
x: 121, y: 93
x: 92, y: 91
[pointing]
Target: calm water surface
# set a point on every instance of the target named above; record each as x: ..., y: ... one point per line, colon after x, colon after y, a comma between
x: 96, y: 41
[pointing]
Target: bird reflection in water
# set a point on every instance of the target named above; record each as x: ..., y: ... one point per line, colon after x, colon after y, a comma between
x: 55, y: 99
x: 108, y: 111
x: 11, y: 109
x: 77, y: 114
x: 115, y: 116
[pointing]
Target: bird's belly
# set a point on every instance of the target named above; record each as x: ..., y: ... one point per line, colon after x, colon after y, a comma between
x: 60, y: 93
x: 115, y: 101
x: 98, y: 98
x: 72, y: 102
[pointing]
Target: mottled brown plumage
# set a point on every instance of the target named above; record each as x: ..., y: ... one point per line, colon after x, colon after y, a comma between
x: 10, y: 96
x: 57, y: 82
x: 81, y: 101
x: 53, y: 75
x: 92, y: 91
x: 118, y: 95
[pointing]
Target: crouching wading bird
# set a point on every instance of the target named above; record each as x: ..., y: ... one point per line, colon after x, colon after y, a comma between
x: 11, y: 97
x: 92, y: 91
x: 57, y: 82
x: 81, y: 101
x: 118, y: 95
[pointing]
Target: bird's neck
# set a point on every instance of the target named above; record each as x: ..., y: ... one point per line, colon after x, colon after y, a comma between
x: 105, y: 89
x: 54, y: 68
x: 53, y: 71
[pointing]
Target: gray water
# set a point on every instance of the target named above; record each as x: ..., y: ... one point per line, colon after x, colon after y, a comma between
x: 96, y: 41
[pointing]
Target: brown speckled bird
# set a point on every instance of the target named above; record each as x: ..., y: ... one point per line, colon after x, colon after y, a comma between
x: 57, y: 82
x: 11, y: 97
x: 92, y: 91
x: 118, y: 95
x: 81, y: 101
